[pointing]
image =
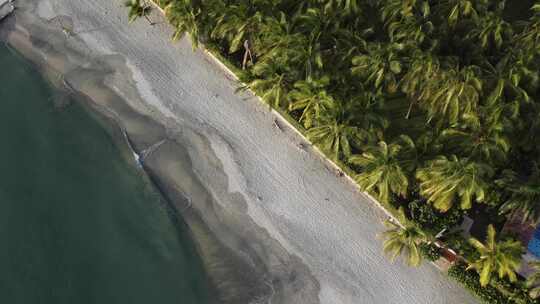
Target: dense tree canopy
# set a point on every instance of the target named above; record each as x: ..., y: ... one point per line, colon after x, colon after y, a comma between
x: 459, y: 78
x: 434, y: 102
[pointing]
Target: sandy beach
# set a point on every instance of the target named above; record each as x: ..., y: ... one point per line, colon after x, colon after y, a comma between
x: 272, y: 222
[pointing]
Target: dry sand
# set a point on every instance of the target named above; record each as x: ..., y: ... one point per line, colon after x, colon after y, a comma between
x: 273, y: 223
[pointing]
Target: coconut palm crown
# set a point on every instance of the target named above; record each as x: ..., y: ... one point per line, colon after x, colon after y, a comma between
x: 403, y: 241
x: 496, y: 257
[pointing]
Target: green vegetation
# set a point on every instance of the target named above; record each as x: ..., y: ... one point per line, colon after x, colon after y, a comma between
x: 502, y: 257
x: 430, y: 219
x: 430, y: 252
x: 533, y: 281
x: 432, y: 106
x: 524, y: 194
x: 470, y: 279
x: 423, y: 99
x: 138, y: 8
x: 404, y: 241
x: 497, y: 292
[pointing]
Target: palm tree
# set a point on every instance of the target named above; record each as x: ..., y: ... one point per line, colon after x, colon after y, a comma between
x: 482, y: 137
x: 508, y: 82
x: 182, y: 15
x: 529, y: 38
x: 501, y: 257
x: 532, y: 129
x: 137, y: 8
x: 334, y: 136
x: 380, y: 66
x: 346, y: 124
x: 533, y: 281
x: 276, y: 44
x: 423, y: 67
x: 277, y: 39
x: 330, y: 33
x: 346, y: 7
x: 410, y: 30
x: 270, y: 83
x: 407, y: 21
x: 383, y: 168
x: 312, y: 99
x: 396, y: 10
x: 237, y: 23
x: 451, y: 93
x: 309, y: 55
x: 524, y: 198
x: 491, y: 31
x: 403, y: 241
x: 445, y: 180
x: 455, y: 10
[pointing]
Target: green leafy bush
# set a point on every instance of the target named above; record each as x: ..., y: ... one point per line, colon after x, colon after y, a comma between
x: 470, y: 280
x: 430, y: 219
x: 498, y: 292
x: 459, y: 244
x: 516, y: 291
x: 430, y: 252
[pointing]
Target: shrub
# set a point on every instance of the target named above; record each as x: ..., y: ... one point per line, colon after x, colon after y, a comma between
x: 430, y: 219
x: 516, y: 291
x: 430, y: 252
x: 470, y: 280
x: 459, y: 244
x: 498, y: 292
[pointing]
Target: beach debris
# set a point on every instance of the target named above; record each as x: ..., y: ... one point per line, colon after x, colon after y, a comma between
x: 189, y: 202
x: 277, y: 125
x: 302, y: 146
x: 68, y: 85
x: 66, y: 29
x: 136, y: 155
x: 65, y: 23
x: 146, y: 152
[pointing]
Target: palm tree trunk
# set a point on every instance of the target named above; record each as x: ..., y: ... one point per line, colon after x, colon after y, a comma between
x: 245, y: 59
x: 247, y: 53
x: 409, y: 111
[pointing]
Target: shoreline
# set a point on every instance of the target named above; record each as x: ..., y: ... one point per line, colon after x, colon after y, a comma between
x: 232, y: 279
x: 290, y: 126
x: 255, y: 249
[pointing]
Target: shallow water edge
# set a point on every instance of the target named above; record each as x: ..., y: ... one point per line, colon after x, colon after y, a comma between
x: 93, y: 225
x: 244, y: 264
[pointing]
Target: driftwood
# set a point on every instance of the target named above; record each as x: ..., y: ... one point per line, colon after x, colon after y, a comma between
x: 278, y: 125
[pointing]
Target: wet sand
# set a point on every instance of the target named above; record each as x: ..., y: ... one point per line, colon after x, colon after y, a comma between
x: 272, y: 222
